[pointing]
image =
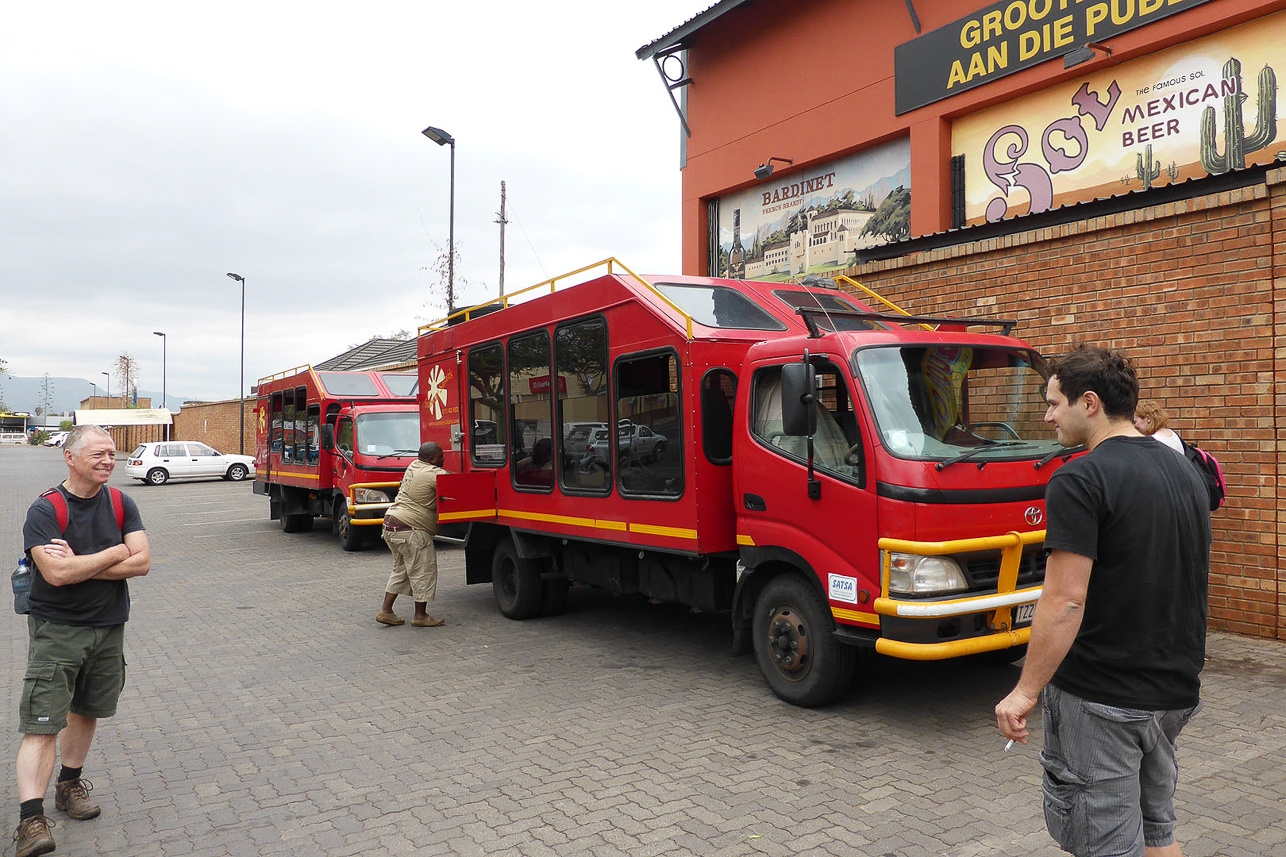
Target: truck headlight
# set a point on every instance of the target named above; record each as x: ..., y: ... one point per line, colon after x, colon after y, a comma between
x: 912, y: 574
x: 370, y: 495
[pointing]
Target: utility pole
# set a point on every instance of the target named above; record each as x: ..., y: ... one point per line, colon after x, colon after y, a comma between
x: 502, y: 223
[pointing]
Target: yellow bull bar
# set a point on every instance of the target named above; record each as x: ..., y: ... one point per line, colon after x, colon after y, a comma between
x: 1000, y: 605
x: 354, y: 507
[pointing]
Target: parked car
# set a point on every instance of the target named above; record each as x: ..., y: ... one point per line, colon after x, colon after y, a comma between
x: 58, y: 438
x: 158, y: 463
x: 634, y: 443
x: 577, y: 438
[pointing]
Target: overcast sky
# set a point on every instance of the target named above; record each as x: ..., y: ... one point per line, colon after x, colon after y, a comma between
x: 149, y: 148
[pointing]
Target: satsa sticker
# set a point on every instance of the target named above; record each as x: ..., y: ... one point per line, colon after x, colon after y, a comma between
x: 843, y: 588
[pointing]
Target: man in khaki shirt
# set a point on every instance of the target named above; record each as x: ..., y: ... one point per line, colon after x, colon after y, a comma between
x: 409, y: 526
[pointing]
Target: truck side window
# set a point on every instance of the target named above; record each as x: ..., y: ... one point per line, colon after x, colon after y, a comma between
x: 584, y: 409
x: 314, y: 434
x: 837, y: 443
x: 301, y: 425
x: 649, y: 447
x: 531, y: 411
x: 718, y: 395
x: 275, y: 442
x: 344, y: 437
x: 288, y: 427
x: 487, y: 405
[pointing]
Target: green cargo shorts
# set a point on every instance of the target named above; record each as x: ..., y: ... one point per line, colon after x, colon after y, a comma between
x: 72, y: 668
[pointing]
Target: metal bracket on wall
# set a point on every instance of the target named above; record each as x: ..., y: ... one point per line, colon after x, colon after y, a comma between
x: 915, y: 19
x: 672, y: 65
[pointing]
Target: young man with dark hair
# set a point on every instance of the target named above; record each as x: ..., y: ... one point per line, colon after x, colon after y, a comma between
x: 84, y: 549
x: 1118, y: 638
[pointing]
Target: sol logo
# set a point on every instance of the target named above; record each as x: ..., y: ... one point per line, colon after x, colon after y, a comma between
x: 435, y: 398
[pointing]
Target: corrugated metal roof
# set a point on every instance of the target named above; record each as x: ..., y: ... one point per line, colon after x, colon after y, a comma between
x: 374, y: 354
x: 685, y: 30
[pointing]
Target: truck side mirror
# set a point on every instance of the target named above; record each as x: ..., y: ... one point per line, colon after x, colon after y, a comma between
x: 798, y: 392
x: 328, y: 437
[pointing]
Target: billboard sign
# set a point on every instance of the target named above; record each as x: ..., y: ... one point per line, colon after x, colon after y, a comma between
x: 1202, y: 108
x: 1009, y: 36
x: 814, y: 220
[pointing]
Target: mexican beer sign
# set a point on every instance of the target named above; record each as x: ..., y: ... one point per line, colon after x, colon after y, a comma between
x: 1202, y: 108
x: 1009, y: 36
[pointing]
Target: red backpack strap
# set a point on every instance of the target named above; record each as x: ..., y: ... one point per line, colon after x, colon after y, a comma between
x: 59, y: 502
x: 118, y: 506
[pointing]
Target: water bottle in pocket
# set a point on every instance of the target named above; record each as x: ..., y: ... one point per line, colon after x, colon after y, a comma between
x: 21, y: 587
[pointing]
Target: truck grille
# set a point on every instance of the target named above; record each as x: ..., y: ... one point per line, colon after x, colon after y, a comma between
x: 984, y: 572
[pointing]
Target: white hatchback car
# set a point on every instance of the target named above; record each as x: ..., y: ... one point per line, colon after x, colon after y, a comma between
x: 158, y: 463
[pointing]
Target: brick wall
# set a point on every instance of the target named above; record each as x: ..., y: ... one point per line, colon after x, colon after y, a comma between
x: 217, y: 424
x: 1195, y: 292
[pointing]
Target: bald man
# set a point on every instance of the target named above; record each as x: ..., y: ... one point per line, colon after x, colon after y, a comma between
x: 409, y: 526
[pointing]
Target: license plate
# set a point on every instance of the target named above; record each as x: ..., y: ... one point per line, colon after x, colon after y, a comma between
x: 1023, y: 614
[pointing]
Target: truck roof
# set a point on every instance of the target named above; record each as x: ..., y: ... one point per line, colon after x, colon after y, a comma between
x: 337, y: 384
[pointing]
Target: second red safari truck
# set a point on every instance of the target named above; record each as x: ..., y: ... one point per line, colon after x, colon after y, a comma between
x: 334, y: 445
x: 832, y: 477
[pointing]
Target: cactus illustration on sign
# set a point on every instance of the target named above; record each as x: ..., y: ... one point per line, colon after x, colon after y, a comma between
x: 1238, y: 144
x: 1173, y: 172
x: 1147, y: 169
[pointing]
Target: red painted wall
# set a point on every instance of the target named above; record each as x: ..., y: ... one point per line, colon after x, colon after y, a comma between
x: 814, y: 81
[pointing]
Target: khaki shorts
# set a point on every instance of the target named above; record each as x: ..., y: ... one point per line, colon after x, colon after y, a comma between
x: 415, y: 564
x: 73, y: 668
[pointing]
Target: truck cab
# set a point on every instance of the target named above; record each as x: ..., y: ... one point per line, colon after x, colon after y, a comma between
x: 334, y: 445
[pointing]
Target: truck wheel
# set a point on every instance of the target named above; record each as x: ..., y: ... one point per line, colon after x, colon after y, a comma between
x: 554, y: 600
x: 297, y: 523
x: 516, y: 582
x: 800, y: 658
x: 350, y: 538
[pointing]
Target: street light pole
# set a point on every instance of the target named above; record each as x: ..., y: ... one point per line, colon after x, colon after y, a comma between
x: 442, y: 138
x: 164, y: 403
x: 241, y: 385
x: 109, y: 388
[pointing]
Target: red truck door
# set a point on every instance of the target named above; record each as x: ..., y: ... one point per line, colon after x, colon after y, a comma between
x: 834, y: 533
x: 467, y: 496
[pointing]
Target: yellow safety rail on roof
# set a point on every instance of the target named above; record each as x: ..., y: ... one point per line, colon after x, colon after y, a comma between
x: 287, y: 373
x: 879, y: 297
x: 552, y: 283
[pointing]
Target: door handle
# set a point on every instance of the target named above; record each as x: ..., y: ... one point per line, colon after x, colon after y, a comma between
x: 754, y: 503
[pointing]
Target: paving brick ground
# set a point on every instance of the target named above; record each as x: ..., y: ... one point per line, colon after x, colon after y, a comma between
x: 267, y: 713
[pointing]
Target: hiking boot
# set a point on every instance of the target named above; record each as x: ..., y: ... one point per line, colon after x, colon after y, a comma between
x: 72, y: 796
x: 427, y: 622
x: 33, y: 836
x: 389, y: 618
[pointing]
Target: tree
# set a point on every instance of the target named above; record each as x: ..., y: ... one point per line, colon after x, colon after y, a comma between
x: 127, y: 373
x: 440, y: 284
x: 893, y: 218
x: 46, y: 392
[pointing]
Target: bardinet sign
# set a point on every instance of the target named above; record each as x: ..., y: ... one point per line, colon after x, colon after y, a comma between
x: 1009, y: 36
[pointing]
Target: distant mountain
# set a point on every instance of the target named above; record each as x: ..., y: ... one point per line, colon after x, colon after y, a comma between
x: 24, y: 394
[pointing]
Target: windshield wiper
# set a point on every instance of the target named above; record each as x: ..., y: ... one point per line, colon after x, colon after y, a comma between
x: 395, y: 453
x: 943, y: 465
x: 1067, y: 451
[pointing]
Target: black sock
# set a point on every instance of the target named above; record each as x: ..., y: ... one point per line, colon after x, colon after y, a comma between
x: 31, y: 808
x: 69, y: 774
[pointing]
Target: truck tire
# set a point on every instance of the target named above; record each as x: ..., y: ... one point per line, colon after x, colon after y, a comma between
x: 350, y: 538
x: 301, y: 523
x: 516, y: 582
x: 799, y: 656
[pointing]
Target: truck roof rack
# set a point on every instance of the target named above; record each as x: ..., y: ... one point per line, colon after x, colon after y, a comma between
x: 809, y: 314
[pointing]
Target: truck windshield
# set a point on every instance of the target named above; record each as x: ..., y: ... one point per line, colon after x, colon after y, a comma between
x: 956, y: 403
x: 389, y: 434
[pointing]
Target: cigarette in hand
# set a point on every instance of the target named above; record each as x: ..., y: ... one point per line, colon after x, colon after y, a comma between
x: 1009, y: 744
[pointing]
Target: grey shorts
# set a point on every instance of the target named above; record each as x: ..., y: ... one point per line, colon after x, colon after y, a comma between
x: 74, y: 668
x: 1110, y: 775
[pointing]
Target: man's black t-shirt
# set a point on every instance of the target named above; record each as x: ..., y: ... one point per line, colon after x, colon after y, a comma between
x: 1139, y: 510
x: 91, y: 527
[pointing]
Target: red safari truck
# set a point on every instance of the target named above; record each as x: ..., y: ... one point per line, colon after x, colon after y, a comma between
x: 833, y: 477
x: 334, y: 445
